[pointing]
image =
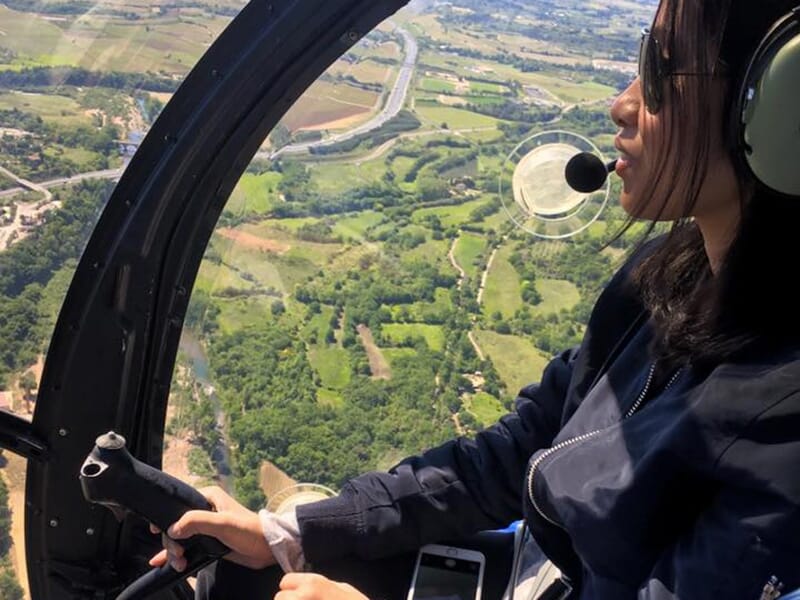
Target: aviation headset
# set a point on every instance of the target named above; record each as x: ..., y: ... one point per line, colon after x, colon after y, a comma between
x: 768, y: 108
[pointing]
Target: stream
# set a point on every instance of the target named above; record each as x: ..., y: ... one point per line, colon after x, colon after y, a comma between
x: 198, y: 362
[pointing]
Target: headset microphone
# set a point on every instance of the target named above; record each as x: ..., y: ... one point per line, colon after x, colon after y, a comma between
x: 586, y: 173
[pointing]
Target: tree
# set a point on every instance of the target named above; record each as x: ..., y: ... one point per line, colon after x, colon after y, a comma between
x: 28, y: 383
x: 278, y: 308
x: 9, y: 588
x: 5, y: 521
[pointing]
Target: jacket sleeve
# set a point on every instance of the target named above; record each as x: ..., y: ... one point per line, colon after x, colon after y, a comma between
x: 460, y: 487
x: 751, y: 531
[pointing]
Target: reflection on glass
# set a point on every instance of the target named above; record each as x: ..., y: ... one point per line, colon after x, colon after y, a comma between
x: 365, y: 294
x: 534, y: 190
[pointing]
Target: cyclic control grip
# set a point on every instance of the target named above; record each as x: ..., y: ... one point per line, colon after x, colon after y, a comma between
x: 112, y: 477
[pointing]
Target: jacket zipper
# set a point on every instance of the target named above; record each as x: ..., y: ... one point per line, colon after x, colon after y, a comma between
x: 587, y: 436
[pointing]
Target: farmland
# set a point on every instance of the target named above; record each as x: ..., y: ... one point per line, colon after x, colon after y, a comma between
x: 326, y: 289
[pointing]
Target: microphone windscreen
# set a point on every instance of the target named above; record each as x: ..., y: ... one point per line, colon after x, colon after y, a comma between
x: 585, y: 173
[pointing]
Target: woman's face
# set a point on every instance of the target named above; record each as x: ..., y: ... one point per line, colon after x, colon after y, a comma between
x: 641, y: 142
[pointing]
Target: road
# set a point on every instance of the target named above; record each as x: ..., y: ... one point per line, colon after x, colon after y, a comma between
x: 105, y: 174
x: 33, y: 211
x: 397, y: 98
x: 27, y: 184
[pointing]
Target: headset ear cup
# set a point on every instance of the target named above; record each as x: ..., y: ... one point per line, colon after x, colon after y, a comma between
x: 769, y: 109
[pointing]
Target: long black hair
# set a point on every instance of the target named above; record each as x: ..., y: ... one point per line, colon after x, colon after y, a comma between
x: 746, y: 308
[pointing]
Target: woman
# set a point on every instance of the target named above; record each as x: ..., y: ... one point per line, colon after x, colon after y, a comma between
x: 658, y: 460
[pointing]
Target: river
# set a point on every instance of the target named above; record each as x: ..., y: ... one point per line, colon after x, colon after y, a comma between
x: 198, y: 363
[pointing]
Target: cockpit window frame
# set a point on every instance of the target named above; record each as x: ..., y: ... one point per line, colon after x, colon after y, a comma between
x: 113, y: 350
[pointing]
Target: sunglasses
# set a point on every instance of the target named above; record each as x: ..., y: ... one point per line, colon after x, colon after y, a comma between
x: 654, y: 69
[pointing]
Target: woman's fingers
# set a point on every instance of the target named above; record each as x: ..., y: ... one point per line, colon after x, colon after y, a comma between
x: 231, y: 523
x: 204, y: 522
x: 312, y: 586
x: 159, y: 560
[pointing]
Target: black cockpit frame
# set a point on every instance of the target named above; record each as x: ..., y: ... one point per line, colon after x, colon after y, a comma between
x: 112, y: 354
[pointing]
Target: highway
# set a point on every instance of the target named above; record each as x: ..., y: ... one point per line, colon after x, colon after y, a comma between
x: 397, y: 98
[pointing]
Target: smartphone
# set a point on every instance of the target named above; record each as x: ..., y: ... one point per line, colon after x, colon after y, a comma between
x: 447, y: 573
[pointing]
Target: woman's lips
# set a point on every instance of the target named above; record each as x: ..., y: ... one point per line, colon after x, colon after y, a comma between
x: 623, y: 164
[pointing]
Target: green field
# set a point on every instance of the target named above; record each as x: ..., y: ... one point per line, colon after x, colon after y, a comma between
x: 556, y: 294
x: 355, y: 226
x: 336, y: 177
x: 565, y: 90
x: 455, y: 118
x: 485, y: 408
x: 481, y: 87
x: 502, y: 293
x: 61, y: 110
x: 438, y: 86
x: 254, y: 193
x: 366, y: 71
x: 213, y: 278
x: 433, y: 334
x: 292, y: 224
x: 393, y: 354
x: 99, y: 42
x: 419, y: 310
x: 430, y: 251
x: 332, y: 365
x: 319, y: 324
x: 329, y: 398
x: 517, y: 360
x: 237, y: 313
x: 457, y: 215
x: 469, y: 249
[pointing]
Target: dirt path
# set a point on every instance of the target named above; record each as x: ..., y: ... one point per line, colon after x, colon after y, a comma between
x: 451, y: 255
x: 485, y: 275
x: 457, y: 424
x: 14, y: 475
x: 475, y: 345
x: 377, y: 362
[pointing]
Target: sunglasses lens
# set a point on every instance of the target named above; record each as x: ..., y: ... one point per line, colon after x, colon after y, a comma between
x: 650, y: 73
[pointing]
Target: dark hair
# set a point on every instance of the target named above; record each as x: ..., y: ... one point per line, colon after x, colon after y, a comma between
x: 699, y: 317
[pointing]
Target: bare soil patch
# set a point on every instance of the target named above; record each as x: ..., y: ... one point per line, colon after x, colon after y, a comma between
x: 345, y: 123
x: 377, y: 362
x: 248, y: 240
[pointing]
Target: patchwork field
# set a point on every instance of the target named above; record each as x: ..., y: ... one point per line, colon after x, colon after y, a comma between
x: 60, y: 110
x: 556, y: 295
x: 254, y: 193
x: 503, y: 293
x: 485, y: 407
x: 458, y: 214
x: 102, y: 42
x: 325, y: 103
x: 469, y: 249
x: 433, y: 334
x: 332, y: 365
x: 454, y: 118
x: 517, y: 360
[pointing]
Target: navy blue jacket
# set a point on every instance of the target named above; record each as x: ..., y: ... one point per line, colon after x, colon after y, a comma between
x: 683, y: 487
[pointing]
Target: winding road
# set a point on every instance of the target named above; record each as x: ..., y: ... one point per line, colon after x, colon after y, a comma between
x: 397, y: 98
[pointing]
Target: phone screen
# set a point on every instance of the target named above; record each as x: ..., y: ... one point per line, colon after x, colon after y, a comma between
x: 445, y: 578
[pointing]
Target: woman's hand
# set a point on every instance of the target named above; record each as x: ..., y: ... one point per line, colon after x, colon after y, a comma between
x: 234, y: 525
x: 310, y: 586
